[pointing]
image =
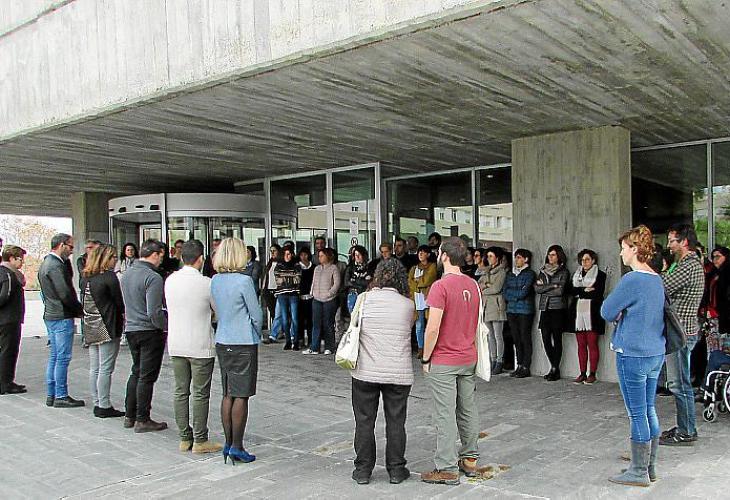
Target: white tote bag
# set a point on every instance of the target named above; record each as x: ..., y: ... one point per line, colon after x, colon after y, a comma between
x: 349, y: 346
x: 484, y: 361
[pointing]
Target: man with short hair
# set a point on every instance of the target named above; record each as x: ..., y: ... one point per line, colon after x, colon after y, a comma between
x: 61, y: 307
x: 12, y: 311
x: 191, y: 345
x: 401, y: 253
x: 89, y: 247
x: 386, y: 253
x: 320, y: 243
x: 413, y: 245
x: 145, y: 325
x: 434, y: 242
x: 684, y: 286
x: 208, y: 269
x: 449, y: 361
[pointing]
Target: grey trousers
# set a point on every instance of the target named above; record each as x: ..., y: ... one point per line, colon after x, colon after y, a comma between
x: 455, y: 414
x: 102, y: 360
x: 199, y: 371
x: 496, y: 340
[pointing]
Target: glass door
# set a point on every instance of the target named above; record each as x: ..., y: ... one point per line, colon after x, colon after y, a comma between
x: 353, y: 196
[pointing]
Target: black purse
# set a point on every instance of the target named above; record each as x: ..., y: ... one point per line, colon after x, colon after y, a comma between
x: 674, y: 333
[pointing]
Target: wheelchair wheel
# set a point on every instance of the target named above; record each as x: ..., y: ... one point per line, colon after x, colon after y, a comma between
x: 709, y: 414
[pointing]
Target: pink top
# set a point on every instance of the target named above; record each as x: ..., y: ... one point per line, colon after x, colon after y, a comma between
x: 458, y: 296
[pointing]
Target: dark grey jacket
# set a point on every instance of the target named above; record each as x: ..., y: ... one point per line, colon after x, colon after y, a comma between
x: 59, y: 295
x: 142, y: 289
x: 553, y: 291
x: 12, y: 301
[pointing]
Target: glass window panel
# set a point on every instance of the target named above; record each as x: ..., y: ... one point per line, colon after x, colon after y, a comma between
x: 178, y: 228
x: 354, y: 210
x: 309, y: 194
x: 422, y: 205
x: 721, y: 192
x: 494, y: 191
x: 669, y: 186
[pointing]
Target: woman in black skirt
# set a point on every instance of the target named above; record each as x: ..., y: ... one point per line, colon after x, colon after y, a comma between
x: 237, y: 338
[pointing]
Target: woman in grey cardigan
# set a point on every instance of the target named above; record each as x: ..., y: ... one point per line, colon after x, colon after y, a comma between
x: 384, y: 366
x: 551, y: 285
x: 495, y: 307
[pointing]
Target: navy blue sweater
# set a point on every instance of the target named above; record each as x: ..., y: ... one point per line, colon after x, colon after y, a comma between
x: 519, y: 293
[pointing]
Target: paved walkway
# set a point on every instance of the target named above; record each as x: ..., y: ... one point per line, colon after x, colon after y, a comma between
x: 557, y: 440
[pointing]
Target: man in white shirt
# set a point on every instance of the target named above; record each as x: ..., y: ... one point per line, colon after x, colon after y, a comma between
x: 191, y: 345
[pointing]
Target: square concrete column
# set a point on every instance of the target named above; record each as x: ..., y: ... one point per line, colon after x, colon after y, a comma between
x: 573, y: 189
x: 90, y: 215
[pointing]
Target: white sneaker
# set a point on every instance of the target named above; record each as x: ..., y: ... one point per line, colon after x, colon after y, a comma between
x: 309, y: 351
x: 327, y: 352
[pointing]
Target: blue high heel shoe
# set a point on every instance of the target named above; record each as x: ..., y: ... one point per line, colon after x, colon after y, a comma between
x: 240, y: 456
x: 226, y: 452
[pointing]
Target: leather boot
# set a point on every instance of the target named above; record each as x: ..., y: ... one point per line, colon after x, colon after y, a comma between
x: 652, y: 459
x: 638, y: 472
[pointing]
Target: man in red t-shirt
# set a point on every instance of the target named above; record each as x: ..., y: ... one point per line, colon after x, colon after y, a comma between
x: 449, y: 361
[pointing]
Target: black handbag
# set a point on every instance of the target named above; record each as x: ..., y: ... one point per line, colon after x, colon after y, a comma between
x: 674, y: 333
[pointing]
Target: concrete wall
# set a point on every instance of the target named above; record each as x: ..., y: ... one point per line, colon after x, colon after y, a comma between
x: 88, y: 56
x: 90, y: 217
x: 573, y: 189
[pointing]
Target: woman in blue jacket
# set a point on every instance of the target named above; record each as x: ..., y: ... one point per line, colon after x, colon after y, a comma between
x: 637, y: 304
x: 519, y: 293
x: 236, y: 342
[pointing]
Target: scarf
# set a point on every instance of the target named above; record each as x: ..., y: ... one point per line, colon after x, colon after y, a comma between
x: 587, y: 280
x: 517, y: 270
x: 550, y: 269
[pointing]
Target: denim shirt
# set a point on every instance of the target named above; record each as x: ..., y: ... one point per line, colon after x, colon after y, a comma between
x: 237, y: 309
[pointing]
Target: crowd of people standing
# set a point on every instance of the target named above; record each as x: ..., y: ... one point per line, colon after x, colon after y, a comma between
x: 201, y: 307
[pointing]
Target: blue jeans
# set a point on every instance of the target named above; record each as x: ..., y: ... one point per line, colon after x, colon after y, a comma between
x: 323, y: 324
x: 61, y: 338
x: 637, y: 378
x: 420, y: 327
x: 351, y: 299
x: 287, y: 311
x: 679, y: 382
x: 276, y: 323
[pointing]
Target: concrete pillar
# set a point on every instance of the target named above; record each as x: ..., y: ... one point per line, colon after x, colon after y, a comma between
x: 573, y: 189
x: 90, y: 215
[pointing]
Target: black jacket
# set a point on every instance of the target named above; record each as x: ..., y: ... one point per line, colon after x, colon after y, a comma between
x: 595, y: 296
x: 553, y: 289
x: 357, y: 278
x: 12, y: 300
x: 59, y: 296
x: 107, y: 294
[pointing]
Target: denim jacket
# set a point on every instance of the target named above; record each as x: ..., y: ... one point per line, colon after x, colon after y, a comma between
x: 519, y: 293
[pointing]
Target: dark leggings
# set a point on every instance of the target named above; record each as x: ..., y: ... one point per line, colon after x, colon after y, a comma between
x: 552, y: 325
x: 234, y: 415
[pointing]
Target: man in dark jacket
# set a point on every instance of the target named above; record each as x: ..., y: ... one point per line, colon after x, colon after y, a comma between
x: 146, y: 323
x: 61, y: 307
x: 12, y: 310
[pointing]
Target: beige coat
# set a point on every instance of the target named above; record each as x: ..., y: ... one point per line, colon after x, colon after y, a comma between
x: 385, y: 338
x: 326, y: 282
x: 491, y: 284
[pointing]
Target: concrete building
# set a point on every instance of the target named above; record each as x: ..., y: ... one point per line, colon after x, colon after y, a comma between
x: 518, y: 122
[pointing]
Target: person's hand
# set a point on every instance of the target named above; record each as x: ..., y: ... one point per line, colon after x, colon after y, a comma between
x: 539, y: 282
x: 426, y: 368
x: 589, y: 289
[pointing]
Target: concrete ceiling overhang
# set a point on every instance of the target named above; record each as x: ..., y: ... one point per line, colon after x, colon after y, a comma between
x: 450, y: 96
